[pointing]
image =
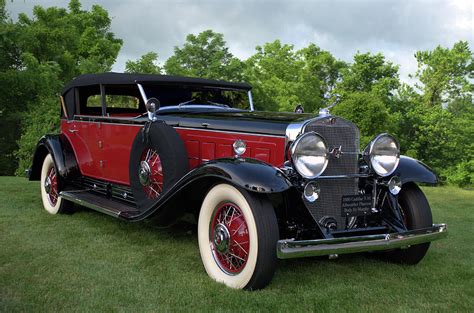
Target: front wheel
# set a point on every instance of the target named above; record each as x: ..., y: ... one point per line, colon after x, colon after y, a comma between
x: 237, y: 233
x: 416, y: 213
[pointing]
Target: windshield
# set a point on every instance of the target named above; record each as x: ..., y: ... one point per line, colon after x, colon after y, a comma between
x: 189, y: 97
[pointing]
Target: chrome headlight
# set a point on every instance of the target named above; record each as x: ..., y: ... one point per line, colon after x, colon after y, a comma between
x: 309, y: 154
x: 384, y: 154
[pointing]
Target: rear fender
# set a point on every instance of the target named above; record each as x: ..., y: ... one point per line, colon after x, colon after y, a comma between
x: 61, y: 151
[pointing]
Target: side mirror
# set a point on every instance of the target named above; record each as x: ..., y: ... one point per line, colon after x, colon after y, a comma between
x: 152, y: 105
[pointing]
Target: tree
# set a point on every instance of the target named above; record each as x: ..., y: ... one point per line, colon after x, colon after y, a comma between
x: 446, y: 74
x: 370, y: 72
x: 79, y: 41
x: 146, y: 64
x: 367, y: 87
x: 205, y: 55
x: 37, y: 56
x: 323, y: 66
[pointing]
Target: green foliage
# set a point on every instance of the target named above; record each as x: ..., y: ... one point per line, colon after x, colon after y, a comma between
x: 367, y: 88
x: 78, y: 41
x: 369, y: 72
x: 40, y: 120
x: 147, y: 64
x: 205, y: 55
x: 433, y: 119
x: 37, y: 56
x: 446, y: 74
x: 283, y: 78
x: 368, y: 112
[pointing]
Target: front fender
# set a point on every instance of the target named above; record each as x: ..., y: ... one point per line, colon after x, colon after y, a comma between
x: 412, y: 170
x: 250, y: 174
x: 61, y: 151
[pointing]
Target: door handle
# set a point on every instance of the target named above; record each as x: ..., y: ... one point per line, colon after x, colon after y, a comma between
x: 72, y: 130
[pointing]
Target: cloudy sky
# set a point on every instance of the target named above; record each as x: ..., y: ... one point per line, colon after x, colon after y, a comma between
x: 395, y: 28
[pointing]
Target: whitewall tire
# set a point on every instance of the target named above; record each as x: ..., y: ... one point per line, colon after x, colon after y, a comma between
x: 237, y: 234
x: 52, y: 202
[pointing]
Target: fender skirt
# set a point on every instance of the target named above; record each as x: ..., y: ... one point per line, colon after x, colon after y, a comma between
x: 412, y: 170
x: 249, y: 174
x: 61, y: 151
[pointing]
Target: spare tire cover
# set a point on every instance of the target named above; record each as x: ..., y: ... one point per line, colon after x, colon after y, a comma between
x: 165, y: 141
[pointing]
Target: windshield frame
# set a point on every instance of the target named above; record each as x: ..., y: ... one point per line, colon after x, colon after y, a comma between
x: 249, y: 96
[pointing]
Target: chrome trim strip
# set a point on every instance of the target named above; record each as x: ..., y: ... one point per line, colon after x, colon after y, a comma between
x: 229, y: 132
x: 288, y: 248
x: 179, y: 127
x: 344, y: 176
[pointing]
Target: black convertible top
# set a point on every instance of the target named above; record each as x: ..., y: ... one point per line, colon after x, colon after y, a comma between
x: 124, y: 79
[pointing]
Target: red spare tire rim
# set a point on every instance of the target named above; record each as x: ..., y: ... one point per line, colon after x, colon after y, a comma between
x: 51, y: 186
x: 150, y: 173
x: 229, y: 238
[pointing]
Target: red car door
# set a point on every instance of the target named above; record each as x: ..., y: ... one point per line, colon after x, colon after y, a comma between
x: 85, y: 138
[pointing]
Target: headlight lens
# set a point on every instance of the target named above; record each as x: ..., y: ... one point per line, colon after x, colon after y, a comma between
x: 309, y: 154
x: 384, y: 154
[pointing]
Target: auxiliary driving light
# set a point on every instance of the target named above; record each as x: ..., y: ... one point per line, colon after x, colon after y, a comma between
x: 312, y: 191
x: 395, y: 185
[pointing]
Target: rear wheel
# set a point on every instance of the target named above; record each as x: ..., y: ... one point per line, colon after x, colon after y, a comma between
x: 416, y: 214
x: 237, y: 234
x: 52, y: 202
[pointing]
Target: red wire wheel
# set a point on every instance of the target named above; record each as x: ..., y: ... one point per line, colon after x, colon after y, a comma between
x: 229, y: 237
x: 151, y: 173
x: 51, y: 186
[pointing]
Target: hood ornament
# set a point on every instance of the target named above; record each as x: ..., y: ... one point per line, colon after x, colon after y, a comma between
x: 325, y: 111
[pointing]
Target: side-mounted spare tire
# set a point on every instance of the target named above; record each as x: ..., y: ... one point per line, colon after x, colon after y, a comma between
x: 158, y: 159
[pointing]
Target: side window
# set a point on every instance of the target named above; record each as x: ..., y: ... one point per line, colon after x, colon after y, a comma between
x: 121, y: 102
x: 89, y: 100
x: 94, y: 101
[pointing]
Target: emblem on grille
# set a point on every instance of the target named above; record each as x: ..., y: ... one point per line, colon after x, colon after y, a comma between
x: 336, y: 152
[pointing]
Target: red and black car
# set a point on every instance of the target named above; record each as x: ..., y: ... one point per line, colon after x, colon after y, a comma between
x: 261, y: 185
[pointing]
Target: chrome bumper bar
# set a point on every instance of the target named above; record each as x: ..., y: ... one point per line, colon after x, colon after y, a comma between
x: 288, y: 248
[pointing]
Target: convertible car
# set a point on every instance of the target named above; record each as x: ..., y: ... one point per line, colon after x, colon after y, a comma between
x: 261, y: 185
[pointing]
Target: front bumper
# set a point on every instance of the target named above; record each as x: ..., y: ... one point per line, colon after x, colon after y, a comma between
x: 288, y: 248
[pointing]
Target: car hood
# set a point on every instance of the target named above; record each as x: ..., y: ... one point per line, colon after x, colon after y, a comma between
x: 269, y: 123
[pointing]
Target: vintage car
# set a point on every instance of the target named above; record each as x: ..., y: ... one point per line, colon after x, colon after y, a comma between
x: 261, y: 185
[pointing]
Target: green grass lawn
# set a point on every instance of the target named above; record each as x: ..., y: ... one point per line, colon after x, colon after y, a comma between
x: 92, y: 262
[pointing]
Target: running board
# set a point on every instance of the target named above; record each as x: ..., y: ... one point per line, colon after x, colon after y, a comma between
x: 100, y: 203
x: 289, y: 248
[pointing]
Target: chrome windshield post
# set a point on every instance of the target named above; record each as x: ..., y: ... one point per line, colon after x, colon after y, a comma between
x: 250, y: 100
x: 142, y: 93
x: 151, y: 113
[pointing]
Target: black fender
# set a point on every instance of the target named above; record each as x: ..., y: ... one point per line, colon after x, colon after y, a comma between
x: 412, y: 170
x: 62, y: 153
x: 250, y: 174
x: 246, y: 173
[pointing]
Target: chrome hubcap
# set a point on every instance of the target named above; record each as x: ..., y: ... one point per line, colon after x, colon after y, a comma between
x: 47, y: 185
x: 221, y: 238
x: 144, y: 173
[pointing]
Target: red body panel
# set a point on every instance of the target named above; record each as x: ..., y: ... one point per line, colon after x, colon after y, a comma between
x: 103, y: 149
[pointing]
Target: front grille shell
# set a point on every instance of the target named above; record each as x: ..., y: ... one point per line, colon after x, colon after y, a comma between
x: 337, y: 132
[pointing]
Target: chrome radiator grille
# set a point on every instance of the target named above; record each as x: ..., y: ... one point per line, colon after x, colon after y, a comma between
x: 344, y: 134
